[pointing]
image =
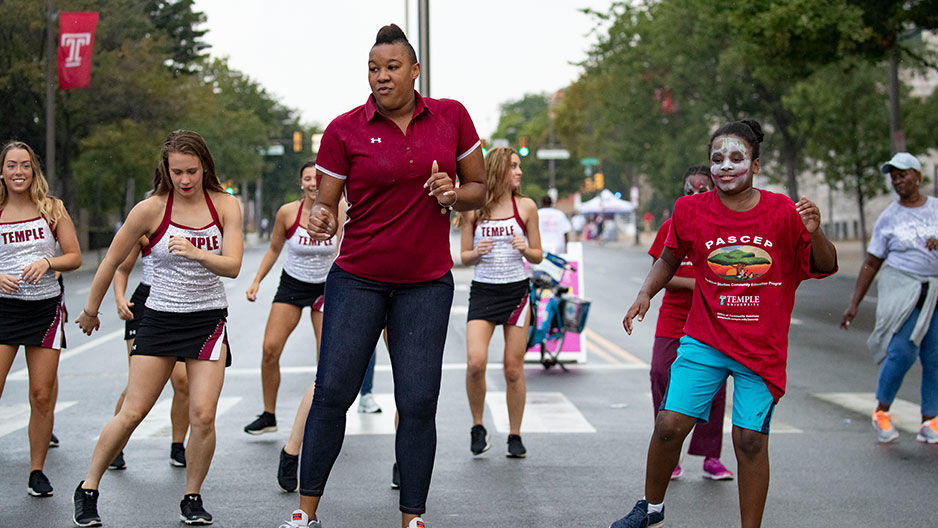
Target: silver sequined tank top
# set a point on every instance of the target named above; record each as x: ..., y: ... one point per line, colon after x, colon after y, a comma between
x: 182, y: 285
x: 25, y: 242
x: 503, y: 264
x: 308, y: 259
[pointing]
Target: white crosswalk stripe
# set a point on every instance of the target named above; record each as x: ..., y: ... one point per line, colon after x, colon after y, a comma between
x: 906, y: 416
x: 544, y: 412
x: 157, y: 424
x: 16, y: 416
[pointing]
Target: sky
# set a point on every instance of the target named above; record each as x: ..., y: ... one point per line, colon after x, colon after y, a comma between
x: 312, y: 55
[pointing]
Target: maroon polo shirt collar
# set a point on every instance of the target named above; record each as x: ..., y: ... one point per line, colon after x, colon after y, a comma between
x: 371, y: 108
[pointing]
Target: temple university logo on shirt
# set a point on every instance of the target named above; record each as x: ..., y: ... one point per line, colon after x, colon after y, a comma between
x: 739, y: 263
x: 735, y: 301
x: 376, y: 140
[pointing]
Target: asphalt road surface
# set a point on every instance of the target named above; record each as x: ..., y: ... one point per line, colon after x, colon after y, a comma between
x: 586, y: 429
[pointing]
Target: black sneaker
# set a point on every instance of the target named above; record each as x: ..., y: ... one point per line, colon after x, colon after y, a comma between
x: 286, y: 471
x: 265, y: 423
x: 118, y: 462
x: 177, y: 454
x: 479, y: 440
x: 86, y: 507
x: 192, y: 510
x: 515, y: 447
x: 395, y: 477
x: 53, y: 441
x: 639, y: 517
x: 38, y: 484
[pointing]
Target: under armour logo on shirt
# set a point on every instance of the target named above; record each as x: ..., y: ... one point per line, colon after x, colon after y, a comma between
x: 376, y: 140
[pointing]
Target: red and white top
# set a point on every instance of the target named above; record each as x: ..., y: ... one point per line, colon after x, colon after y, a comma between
x: 308, y: 259
x: 504, y: 263
x: 21, y: 244
x: 676, y: 303
x: 182, y: 285
x: 395, y: 232
x: 747, y: 266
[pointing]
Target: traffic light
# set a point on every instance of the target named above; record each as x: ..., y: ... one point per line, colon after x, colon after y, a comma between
x: 588, y: 184
x: 229, y: 187
x: 297, y: 141
x: 484, y: 150
x: 598, y: 180
x: 523, y: 148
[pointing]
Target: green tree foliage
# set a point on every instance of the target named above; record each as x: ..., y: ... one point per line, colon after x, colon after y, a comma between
x: 847, y: 141
x: 149, y: 77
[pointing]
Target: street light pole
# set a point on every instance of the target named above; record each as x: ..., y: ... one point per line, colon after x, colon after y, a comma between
x: 423, y: 29
x: 51, y: 62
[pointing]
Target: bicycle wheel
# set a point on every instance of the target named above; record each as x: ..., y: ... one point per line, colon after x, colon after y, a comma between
x: 551, y: 347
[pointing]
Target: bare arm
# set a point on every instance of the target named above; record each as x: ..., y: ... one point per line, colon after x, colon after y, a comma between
x: 823, y: 252
x: 323, y: 216
x: 471, y: 173
x: 69, y: 260
x: 677, y: 283
x: 469, y: 255
x: 228, y: 263
x: 659, y: 275
x: 277, y: 238
x: 121, y: 277
x: 868, y: 271
x: 138, y: 223
x: 530, y: 250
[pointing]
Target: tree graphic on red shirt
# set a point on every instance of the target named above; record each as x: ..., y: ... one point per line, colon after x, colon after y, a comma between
x: 741, y: 261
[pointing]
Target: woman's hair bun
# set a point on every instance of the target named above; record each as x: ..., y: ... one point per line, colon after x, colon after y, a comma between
x: 756, y: 129
x: 390, y: 34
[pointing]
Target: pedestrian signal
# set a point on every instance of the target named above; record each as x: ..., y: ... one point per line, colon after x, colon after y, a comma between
x: 598, y: 180
x: 297, y: 141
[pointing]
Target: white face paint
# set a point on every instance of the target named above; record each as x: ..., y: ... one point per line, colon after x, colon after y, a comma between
x: 729, y: 157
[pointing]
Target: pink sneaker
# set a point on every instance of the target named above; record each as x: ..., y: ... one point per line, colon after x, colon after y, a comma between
x: 713, y: 469
x: 677, y: 473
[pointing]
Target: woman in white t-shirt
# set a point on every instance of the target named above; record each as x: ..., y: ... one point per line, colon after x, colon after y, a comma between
x: 905, y: 239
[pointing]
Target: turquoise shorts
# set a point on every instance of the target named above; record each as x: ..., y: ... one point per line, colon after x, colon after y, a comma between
x: 698, y: 373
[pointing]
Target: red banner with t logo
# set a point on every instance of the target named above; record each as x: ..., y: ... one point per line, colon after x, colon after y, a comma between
x: 76, y: 40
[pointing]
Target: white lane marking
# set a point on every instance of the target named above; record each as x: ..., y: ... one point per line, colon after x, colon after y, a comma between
x: 459, y: 309
x: 905, y: 414
x: 83, y: 291
x: 461, y: 287
x: 357, y: 423
x: 16, y: 416
x: 157, y: 424
x: 544, y: 412
x: 796, y: 321
x: 23, y: 373
x: 255, y: 371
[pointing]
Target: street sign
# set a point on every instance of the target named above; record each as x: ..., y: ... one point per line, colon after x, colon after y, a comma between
x: 553, y: 154
x: 589, y: 161
x: 274, y: 150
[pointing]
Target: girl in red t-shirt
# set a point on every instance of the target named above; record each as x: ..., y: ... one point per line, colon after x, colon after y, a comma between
x: 750, y: 248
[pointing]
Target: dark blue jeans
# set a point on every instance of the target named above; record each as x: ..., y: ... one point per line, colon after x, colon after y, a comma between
x: 417, y: 317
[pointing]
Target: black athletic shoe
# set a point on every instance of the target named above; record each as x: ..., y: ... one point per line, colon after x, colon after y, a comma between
x: 177, y: 454
x: 38, y: 484
x: 479, y: 440
x: 192, y: 510
x: 86, y: 507
x: 286, y: 471
x: 53, y: 441
x: 395, y: 477
x: 515, y: 447
x: 118, y: 462
x: 265, y: 423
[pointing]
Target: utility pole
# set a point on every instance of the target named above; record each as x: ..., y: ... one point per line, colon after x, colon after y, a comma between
x: 423, y: 29
x: 51, y: 61
x: 896, y: 134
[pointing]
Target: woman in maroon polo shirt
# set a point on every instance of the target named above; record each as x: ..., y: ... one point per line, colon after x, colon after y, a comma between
x: 396, y: 159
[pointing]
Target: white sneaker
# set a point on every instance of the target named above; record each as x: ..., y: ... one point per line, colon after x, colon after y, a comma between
x: 367, y: 404
x: 299, y: 519
x: 416, y: 522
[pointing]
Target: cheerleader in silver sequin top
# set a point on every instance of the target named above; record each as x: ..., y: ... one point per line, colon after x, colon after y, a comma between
x: 31, y: 309
x: 186, y: 311
x: 497, y: 240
